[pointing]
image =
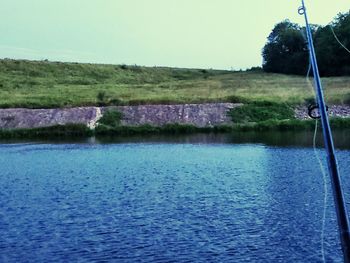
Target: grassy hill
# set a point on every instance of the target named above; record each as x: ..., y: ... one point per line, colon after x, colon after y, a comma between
x: 43, y: 84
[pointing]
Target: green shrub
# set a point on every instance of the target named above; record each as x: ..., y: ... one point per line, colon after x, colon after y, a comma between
x: 110, y: 118
x: 124, y: 67
x: 236, y: 99
x: 261, y: 111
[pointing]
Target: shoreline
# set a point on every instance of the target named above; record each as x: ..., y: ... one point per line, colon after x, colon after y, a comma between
x: 161, y: 119
x: 82, y: 131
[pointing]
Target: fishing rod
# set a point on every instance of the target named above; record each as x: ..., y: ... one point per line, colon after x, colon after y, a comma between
x: 342, y: 216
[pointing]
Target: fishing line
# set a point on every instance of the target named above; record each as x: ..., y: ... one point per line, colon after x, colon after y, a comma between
x: 336, y: 38
x: 325, y: 192
x: 325, y: 188
x: 323, y: 171
x: 324, y: 175
x: 316, y: 153
x: 339, y: 200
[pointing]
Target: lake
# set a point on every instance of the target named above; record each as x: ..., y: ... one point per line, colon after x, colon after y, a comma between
x: 245, y: 197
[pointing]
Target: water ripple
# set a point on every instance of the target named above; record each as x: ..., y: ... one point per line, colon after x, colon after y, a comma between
x: 163, y: 203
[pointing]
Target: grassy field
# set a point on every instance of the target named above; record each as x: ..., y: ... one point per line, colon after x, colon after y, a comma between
x: 43, y: 84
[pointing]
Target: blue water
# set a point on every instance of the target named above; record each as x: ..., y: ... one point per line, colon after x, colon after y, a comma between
x: 164, y: 202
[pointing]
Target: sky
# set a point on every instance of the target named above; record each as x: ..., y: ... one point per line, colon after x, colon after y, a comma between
x: 220, y: 34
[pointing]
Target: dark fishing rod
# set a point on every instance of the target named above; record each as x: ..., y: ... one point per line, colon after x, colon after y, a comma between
x: 342, y: 216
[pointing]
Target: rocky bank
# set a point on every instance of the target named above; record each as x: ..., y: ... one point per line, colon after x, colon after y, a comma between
x: 199, y: 115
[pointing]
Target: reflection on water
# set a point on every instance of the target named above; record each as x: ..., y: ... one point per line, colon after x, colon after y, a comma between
x: 270, y: 138
x: 282, y: 139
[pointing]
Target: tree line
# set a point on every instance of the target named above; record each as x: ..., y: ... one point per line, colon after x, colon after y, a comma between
x: 286, y: 50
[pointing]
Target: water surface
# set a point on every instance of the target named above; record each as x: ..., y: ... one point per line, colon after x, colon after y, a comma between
x: 165, y: 201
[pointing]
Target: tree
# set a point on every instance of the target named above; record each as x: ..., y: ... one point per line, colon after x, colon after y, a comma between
x: 333, y: 58
x: 286, y: 50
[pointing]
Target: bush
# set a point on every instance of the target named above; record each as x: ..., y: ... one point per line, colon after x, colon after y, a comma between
x: 124, y: 67
x: 111, y: 118
x: 261, y: 111
x: 237, y: 99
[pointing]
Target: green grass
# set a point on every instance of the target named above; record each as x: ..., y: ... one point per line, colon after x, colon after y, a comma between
x: 43, y: 84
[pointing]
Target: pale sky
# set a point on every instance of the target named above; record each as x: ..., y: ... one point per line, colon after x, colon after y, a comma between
x: 220, y: 34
